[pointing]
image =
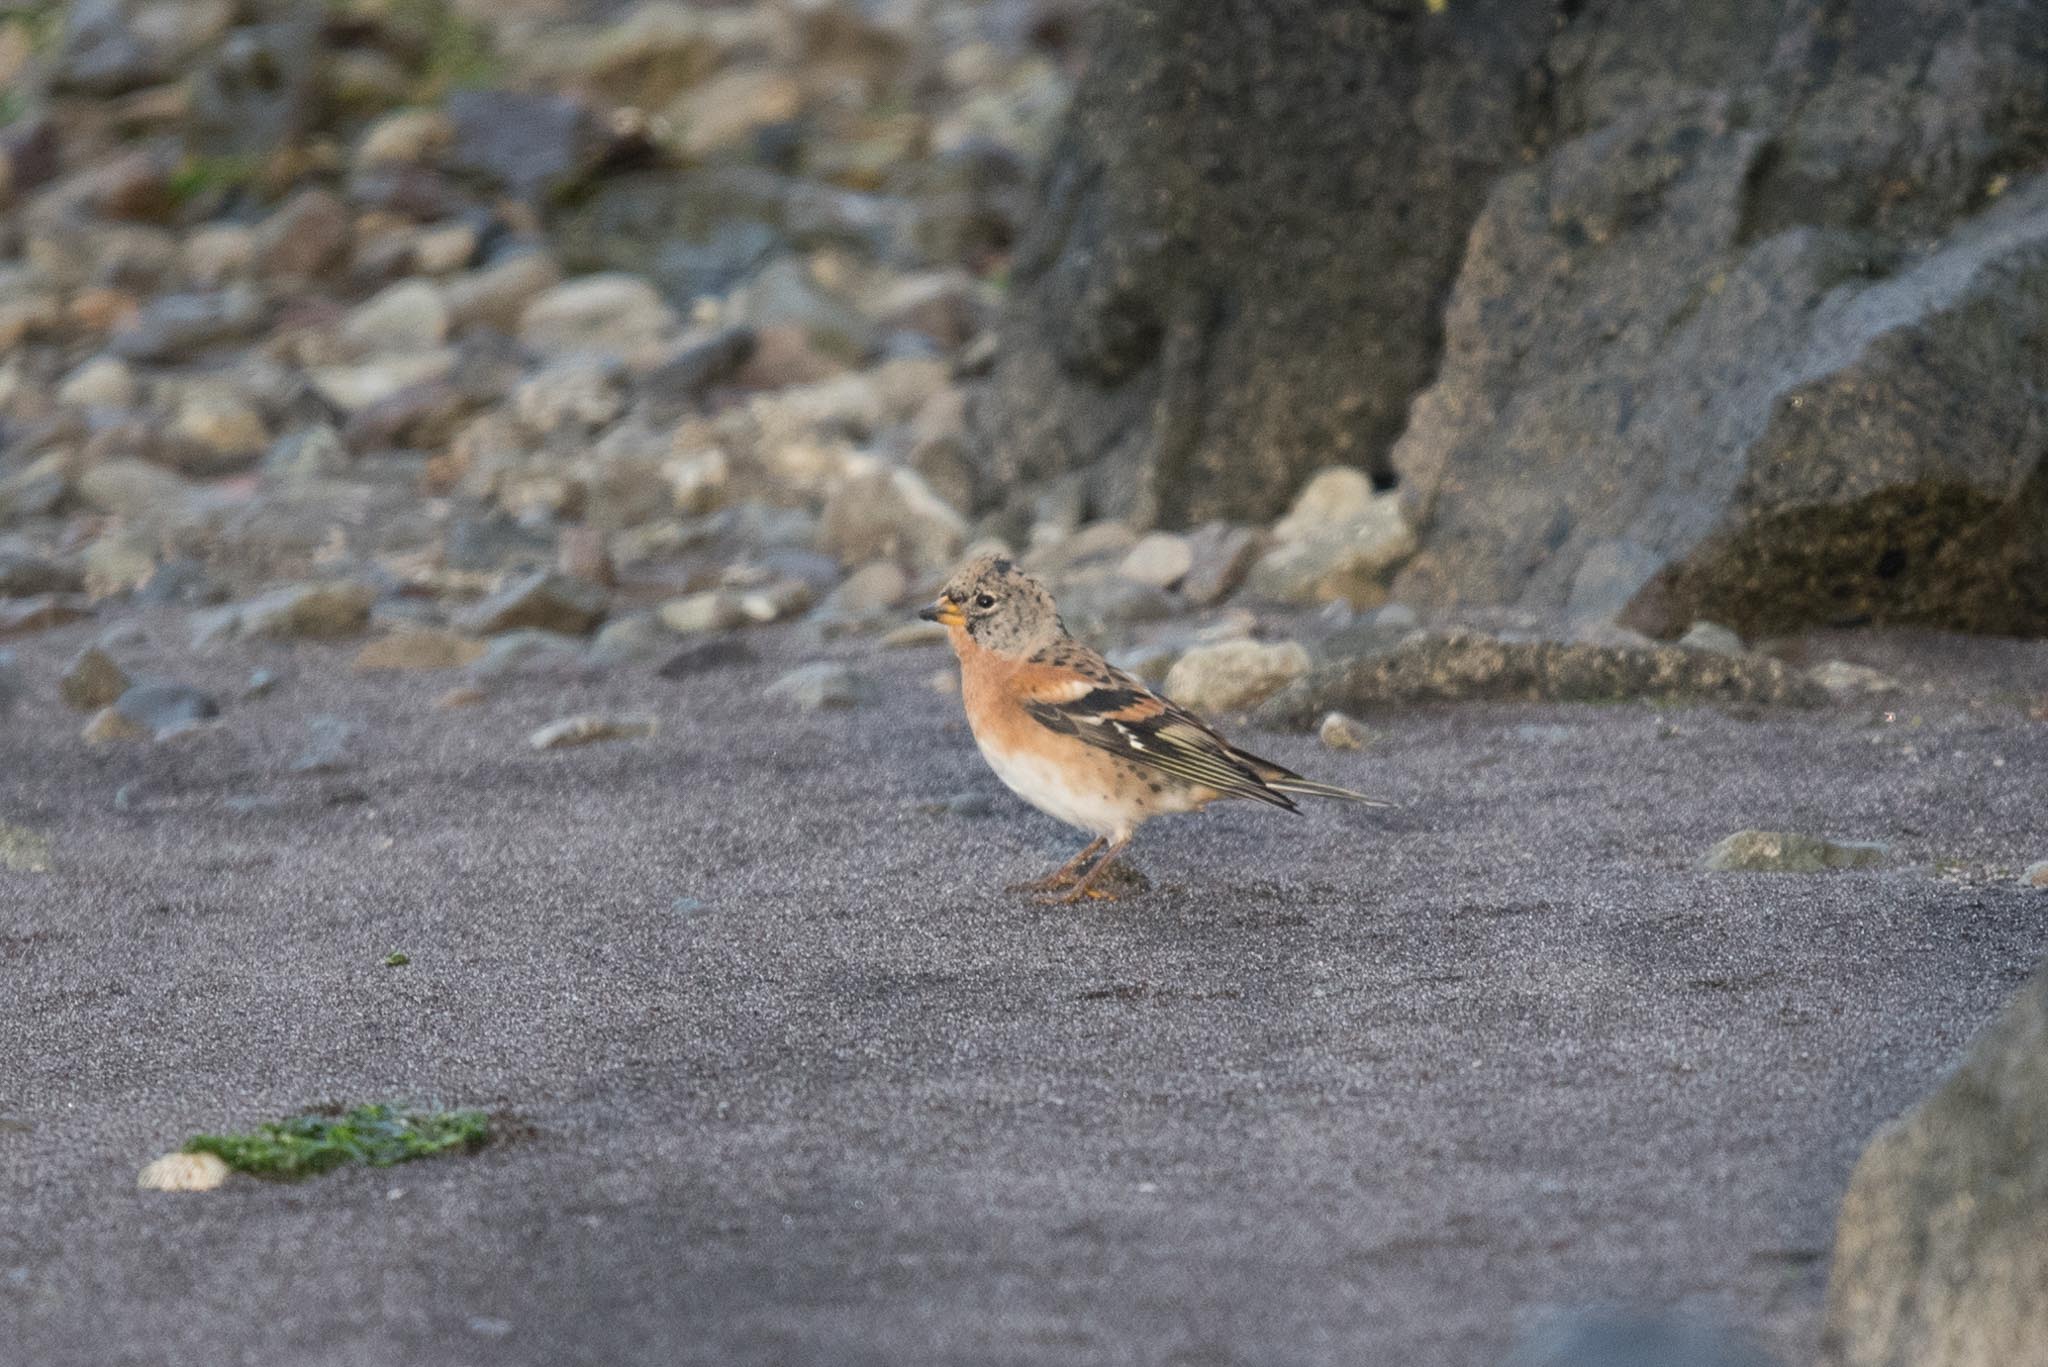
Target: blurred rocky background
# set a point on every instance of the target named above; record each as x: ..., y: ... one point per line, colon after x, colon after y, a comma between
x: 1325, y: 356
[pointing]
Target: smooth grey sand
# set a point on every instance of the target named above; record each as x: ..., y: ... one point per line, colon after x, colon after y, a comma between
x: 796, y: 1081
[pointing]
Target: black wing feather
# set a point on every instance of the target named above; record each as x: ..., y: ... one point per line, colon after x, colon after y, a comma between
x: 1137, y: 725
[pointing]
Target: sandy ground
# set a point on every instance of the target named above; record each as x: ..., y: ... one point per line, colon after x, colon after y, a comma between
x: 799, y: 1083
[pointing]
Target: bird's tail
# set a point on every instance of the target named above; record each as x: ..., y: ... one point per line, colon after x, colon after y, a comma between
x: 1307, y: 787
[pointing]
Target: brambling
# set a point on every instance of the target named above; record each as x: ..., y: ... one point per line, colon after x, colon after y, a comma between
x: 1078, y: 738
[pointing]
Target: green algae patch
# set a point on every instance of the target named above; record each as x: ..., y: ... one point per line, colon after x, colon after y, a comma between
x: 376, y: 1135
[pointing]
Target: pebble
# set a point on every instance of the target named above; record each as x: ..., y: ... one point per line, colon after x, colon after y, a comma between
x: 183, y: 1172
x: 815, y: 687
x: 102, y: 382
x: 913, y: 635
x: 718, y: 652
x: 330, y: 746
x: 637, y: 639
x: 874, y: 588
x: 1340, y: 732
x: 543, y: 599
x: 1220, y: 555
x: 24, y: 574
x: 890, y: 514
x: 527, y: 650
x: 1232, y: 675
x: 1712, y: 636
x: 1754, y: 851
x: 314, y: 611
x: 23, y: 850
x: 2035, y: 875
x: 92, y: 681
x: 159, y: 707
x: 419, y: 649
x: 588, y: 728
x: 611, y: 314
x: 1160, y: 559
x: 410, y: 315
x: 1843, y: 680
x: 108, y: 726
x: 1350, y: 563
x: 710, y: 610
x: 40, y: 613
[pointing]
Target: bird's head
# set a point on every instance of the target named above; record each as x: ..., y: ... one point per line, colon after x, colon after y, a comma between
x: 996, y: 606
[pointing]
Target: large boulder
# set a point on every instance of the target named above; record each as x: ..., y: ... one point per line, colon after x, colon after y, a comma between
x: 1667, y: 395
x: 1241, y: 249
x: 1941, y: 1255
x: 1747, y: 309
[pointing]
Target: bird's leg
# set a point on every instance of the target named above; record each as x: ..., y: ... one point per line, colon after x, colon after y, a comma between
x: 1065, y: 873
x: 1086, y: 887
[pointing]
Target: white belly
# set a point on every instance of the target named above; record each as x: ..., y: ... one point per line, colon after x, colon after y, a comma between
x: 1039, y: 783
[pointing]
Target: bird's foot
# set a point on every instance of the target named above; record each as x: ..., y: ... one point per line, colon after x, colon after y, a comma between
x: 1111, y: 884
x: 1073, y: 895
x: 1052, y: 882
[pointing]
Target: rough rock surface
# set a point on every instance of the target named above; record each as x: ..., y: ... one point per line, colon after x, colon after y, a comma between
x: 1748, y: 322
x: 1214, y: 270
x: 1458, y: 665
x: 1940, y: 1259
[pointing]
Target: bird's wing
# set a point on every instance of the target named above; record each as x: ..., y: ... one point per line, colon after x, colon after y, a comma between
x: 1102, y: 706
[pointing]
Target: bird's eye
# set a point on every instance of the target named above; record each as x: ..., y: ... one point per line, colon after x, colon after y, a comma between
x: 985, y: 601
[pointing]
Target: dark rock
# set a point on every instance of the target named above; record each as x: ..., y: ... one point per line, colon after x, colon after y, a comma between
x: 258, y: 89
x: 159, y: 707
x: 1748, y: 325
x: 529, y: 143
x: 1459, y: 666
x: 24, y: 575
x: 20, y: 616
x: 1757, y: 356
x: 180, y: 581
x: 695, y: 367
x: 698, y: 657
x: 30, y: 154
x: 473, y: 543
x: 110, y: 47
x: 1939, y: 1259
x: 1265, y: 274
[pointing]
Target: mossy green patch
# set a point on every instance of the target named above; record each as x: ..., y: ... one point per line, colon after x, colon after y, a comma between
x: 448, y: 50
x: 201, y: 175
x: 376, y: 1135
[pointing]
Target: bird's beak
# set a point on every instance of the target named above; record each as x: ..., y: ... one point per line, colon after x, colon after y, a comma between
x: 945, y: 612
